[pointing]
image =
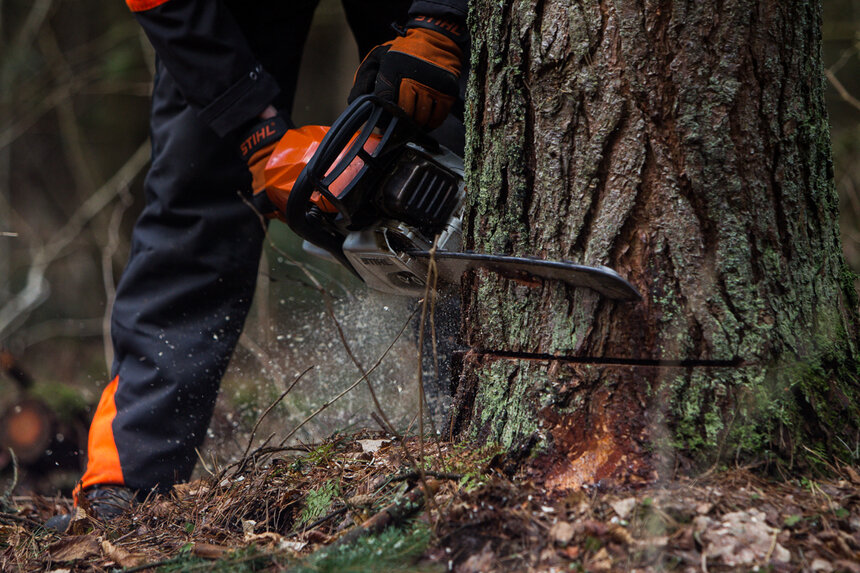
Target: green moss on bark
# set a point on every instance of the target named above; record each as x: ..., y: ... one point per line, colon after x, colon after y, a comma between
x: 691, y: 154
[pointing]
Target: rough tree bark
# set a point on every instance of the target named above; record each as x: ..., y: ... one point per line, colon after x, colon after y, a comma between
x: 686, y: 145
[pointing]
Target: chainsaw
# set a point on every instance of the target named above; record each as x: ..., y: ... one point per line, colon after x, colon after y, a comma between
x: 384, y: 199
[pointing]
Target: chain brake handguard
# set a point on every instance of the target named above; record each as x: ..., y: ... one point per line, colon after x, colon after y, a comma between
x: 348, y: 171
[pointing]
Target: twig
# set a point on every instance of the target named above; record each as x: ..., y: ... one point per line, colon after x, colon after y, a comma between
x: 327, y: 299
x: 365, y: 375
x: 266, y: 412
x: 772, y: 547
x: 74, y: 147
x: 318, y: 522
x: 379, y: 421
x: 203, y: 462
x: 351, y: 386
x: 8, y: 493
x: 429, y: 295
x: 843, y: 59
x: 844, y: 93
x: 19, y: 519
x: 110, y: 248
x: 412, y: 475
x: 38, y: 12
x: 404, y: 506
x: 429, y: 291
x: 262, y: 450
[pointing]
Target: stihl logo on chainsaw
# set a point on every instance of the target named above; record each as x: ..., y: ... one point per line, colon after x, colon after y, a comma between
x: 261, y: 136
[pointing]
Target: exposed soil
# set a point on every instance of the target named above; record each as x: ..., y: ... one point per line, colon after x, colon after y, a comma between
x: 276, y: 509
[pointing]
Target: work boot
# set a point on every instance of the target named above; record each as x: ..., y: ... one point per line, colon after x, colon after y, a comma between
x: 106, y: 502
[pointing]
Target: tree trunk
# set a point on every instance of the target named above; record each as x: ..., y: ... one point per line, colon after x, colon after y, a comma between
x: 685, y: 145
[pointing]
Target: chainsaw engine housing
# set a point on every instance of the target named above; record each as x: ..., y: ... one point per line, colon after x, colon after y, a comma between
x: 422, y: 199
x: 404, y: 191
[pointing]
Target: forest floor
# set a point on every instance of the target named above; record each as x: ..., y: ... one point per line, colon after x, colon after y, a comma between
x: 356, y: 503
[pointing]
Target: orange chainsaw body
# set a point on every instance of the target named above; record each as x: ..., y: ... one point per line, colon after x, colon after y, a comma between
x: 292, y: 154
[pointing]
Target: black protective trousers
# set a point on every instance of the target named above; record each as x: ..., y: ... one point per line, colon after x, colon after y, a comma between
x: 183, y: 298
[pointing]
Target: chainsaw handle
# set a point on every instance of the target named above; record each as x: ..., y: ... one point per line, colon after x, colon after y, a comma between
x: 299, y: 213
x: 362, y: 117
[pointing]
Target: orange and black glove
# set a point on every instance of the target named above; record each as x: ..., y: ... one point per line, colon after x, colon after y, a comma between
x: 256, y: 147
x: 419, y: 71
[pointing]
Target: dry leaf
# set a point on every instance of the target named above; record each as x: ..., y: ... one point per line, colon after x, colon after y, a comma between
x: 623, y: 507
x: 74, y: 548
x: 194, y: 489
x: 120, y: 556
x: 295, y: 546
x: 371, y: 446
x: 562, y: 532
x: 79, y: 523
x: 600, y: 562
x: 275, y: 540
x: 362, y: 500
x: 248, y: 526
x: 620, y: 534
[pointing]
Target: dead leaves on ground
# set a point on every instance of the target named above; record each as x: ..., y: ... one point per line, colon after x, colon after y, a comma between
x: 482, y: 522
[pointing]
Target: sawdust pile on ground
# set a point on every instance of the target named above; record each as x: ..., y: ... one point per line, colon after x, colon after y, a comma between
x: 300, y: 510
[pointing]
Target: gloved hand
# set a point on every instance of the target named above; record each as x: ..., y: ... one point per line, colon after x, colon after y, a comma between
x: 256, y: 147
x: 418, y: 71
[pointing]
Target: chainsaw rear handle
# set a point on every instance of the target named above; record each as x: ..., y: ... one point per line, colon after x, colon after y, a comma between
x: 363, y: 117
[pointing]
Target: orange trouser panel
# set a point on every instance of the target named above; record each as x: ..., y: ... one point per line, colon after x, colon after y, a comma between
x: 141, y: 5
x: 102, y: 456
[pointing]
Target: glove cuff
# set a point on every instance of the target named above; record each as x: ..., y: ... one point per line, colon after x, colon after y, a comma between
x: 261, y: 135
x: 456, y: 32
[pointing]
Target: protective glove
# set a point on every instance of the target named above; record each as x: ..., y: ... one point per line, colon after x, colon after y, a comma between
x: 418, y: 71
x: 256, y: 148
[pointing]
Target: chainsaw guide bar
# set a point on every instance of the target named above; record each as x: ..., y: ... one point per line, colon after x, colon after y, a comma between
x: 452, y: 265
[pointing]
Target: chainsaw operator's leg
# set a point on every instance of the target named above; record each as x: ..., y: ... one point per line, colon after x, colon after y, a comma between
x: 180, y: 304
x: 187, y: 288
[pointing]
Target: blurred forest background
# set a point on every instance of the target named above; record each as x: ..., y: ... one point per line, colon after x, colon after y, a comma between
x: 74, y: 99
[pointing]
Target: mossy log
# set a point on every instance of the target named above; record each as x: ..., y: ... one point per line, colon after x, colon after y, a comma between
x: 686, y: 145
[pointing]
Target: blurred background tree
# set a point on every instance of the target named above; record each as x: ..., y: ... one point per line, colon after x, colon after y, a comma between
x: 74, y: 101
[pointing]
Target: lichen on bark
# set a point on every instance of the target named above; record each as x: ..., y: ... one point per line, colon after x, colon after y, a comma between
x: 685, y: 145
